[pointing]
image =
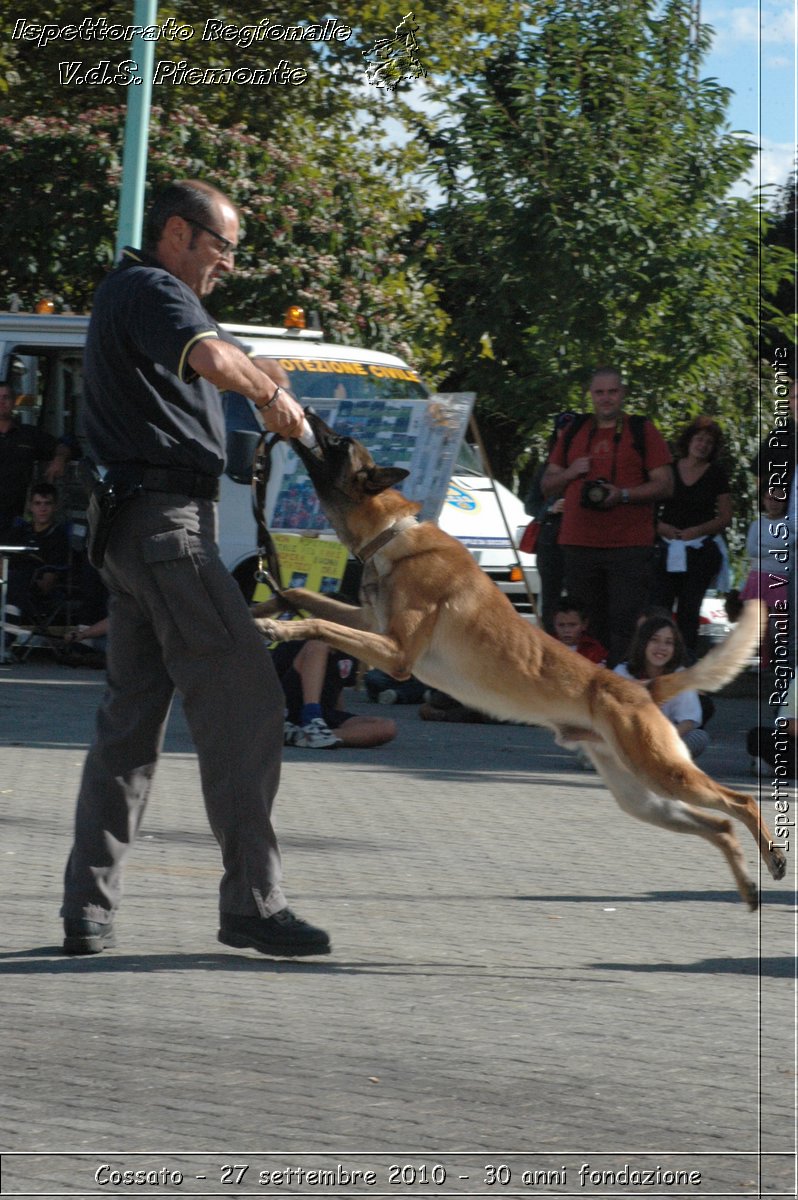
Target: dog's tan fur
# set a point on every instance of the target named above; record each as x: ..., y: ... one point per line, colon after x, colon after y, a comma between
x: 427, y: 609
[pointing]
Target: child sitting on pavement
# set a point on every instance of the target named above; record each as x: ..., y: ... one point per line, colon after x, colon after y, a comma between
x: 570, y: 628
x: 313, y: 677
x: 657, y: 649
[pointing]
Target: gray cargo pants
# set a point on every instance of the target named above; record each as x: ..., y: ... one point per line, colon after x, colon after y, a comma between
x: 179, y: 621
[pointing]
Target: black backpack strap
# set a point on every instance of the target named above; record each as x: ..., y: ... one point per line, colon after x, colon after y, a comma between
x: 637, y: 428
x: 572, y: 430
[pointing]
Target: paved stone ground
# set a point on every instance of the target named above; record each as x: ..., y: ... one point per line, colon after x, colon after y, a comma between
x: 522, y: 977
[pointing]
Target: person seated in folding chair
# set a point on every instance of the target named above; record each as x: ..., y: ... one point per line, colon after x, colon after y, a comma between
x: 33, y: 577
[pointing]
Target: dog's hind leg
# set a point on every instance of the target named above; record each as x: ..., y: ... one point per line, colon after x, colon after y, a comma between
x: 703, y: 790
x: 657, y: 756
x: 636, y: 800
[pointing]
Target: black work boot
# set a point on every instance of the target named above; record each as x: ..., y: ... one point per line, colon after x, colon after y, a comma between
x: 283, y: 935
x: 88, y: 937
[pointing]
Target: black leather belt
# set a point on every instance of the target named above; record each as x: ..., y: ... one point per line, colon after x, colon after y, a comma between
x: 178, y: 480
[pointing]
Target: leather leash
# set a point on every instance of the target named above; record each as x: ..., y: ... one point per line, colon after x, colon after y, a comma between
x: 268, y: 570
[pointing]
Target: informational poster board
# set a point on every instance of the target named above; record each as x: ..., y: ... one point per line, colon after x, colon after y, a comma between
x: 310, y: 562
x: 422, y: 435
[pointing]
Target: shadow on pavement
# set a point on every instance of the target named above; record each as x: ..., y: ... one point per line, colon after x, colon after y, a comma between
x: 48, y: 960
x: 774, y: 967
x: 767, y: 897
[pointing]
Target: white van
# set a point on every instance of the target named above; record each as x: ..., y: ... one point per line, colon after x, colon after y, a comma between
x: 487, y: 518
x: 378, y: 397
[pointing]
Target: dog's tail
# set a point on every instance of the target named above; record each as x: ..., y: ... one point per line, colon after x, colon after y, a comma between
x: 721, y: 665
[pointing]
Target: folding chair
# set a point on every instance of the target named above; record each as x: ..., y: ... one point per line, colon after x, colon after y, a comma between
x: 7, y: 623
x: 53, y: 614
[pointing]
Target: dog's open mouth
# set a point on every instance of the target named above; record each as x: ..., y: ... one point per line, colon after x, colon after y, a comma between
x: 316, y: 439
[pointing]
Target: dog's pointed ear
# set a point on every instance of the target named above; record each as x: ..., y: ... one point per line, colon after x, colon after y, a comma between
x: 379, y: 479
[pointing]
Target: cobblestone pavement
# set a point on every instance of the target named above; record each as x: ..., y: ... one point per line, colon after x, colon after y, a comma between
x: 529, y: 992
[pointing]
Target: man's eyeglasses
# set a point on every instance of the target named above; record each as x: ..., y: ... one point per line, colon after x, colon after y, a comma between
x: 228, y: 248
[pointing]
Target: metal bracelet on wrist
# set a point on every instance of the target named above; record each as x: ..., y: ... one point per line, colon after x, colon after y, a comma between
x: 269, y: 403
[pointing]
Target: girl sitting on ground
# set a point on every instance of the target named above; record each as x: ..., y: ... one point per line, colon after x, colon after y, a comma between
x: 657, y: 649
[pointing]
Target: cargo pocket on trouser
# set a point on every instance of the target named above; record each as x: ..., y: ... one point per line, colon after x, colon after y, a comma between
x: 190, y: 592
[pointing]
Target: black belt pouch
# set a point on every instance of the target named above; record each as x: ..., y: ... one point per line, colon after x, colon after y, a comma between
x: 108, y: 498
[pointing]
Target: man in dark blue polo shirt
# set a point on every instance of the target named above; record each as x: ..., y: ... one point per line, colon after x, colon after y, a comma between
x: 154, y: 364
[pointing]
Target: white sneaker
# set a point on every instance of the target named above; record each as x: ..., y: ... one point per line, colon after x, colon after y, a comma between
x: 317, y: 735
x: 290, y: 733
x: 389, y: 696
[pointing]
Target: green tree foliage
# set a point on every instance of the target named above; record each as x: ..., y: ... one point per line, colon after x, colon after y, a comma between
x: 585, y: 172
x: 324, y: 221
x: 328, y: 202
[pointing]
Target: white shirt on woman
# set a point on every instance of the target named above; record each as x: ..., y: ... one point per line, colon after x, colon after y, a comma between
x: 684, y: 707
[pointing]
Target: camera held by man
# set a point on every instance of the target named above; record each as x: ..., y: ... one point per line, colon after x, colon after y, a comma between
x: 594, y: 493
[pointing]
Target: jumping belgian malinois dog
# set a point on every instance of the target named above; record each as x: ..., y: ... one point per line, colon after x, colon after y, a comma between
x: 428, y: 610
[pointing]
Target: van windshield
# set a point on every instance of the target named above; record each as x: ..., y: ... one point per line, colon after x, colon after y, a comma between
x: 468, y: 461
x: 322, y: 379
x: 354, y: 387
x: 329, y: 379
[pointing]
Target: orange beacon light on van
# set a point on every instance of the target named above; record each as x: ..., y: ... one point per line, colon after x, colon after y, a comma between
x: 294, y: 317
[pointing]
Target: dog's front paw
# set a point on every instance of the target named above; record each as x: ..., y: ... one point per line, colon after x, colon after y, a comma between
x: 274, y: 631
